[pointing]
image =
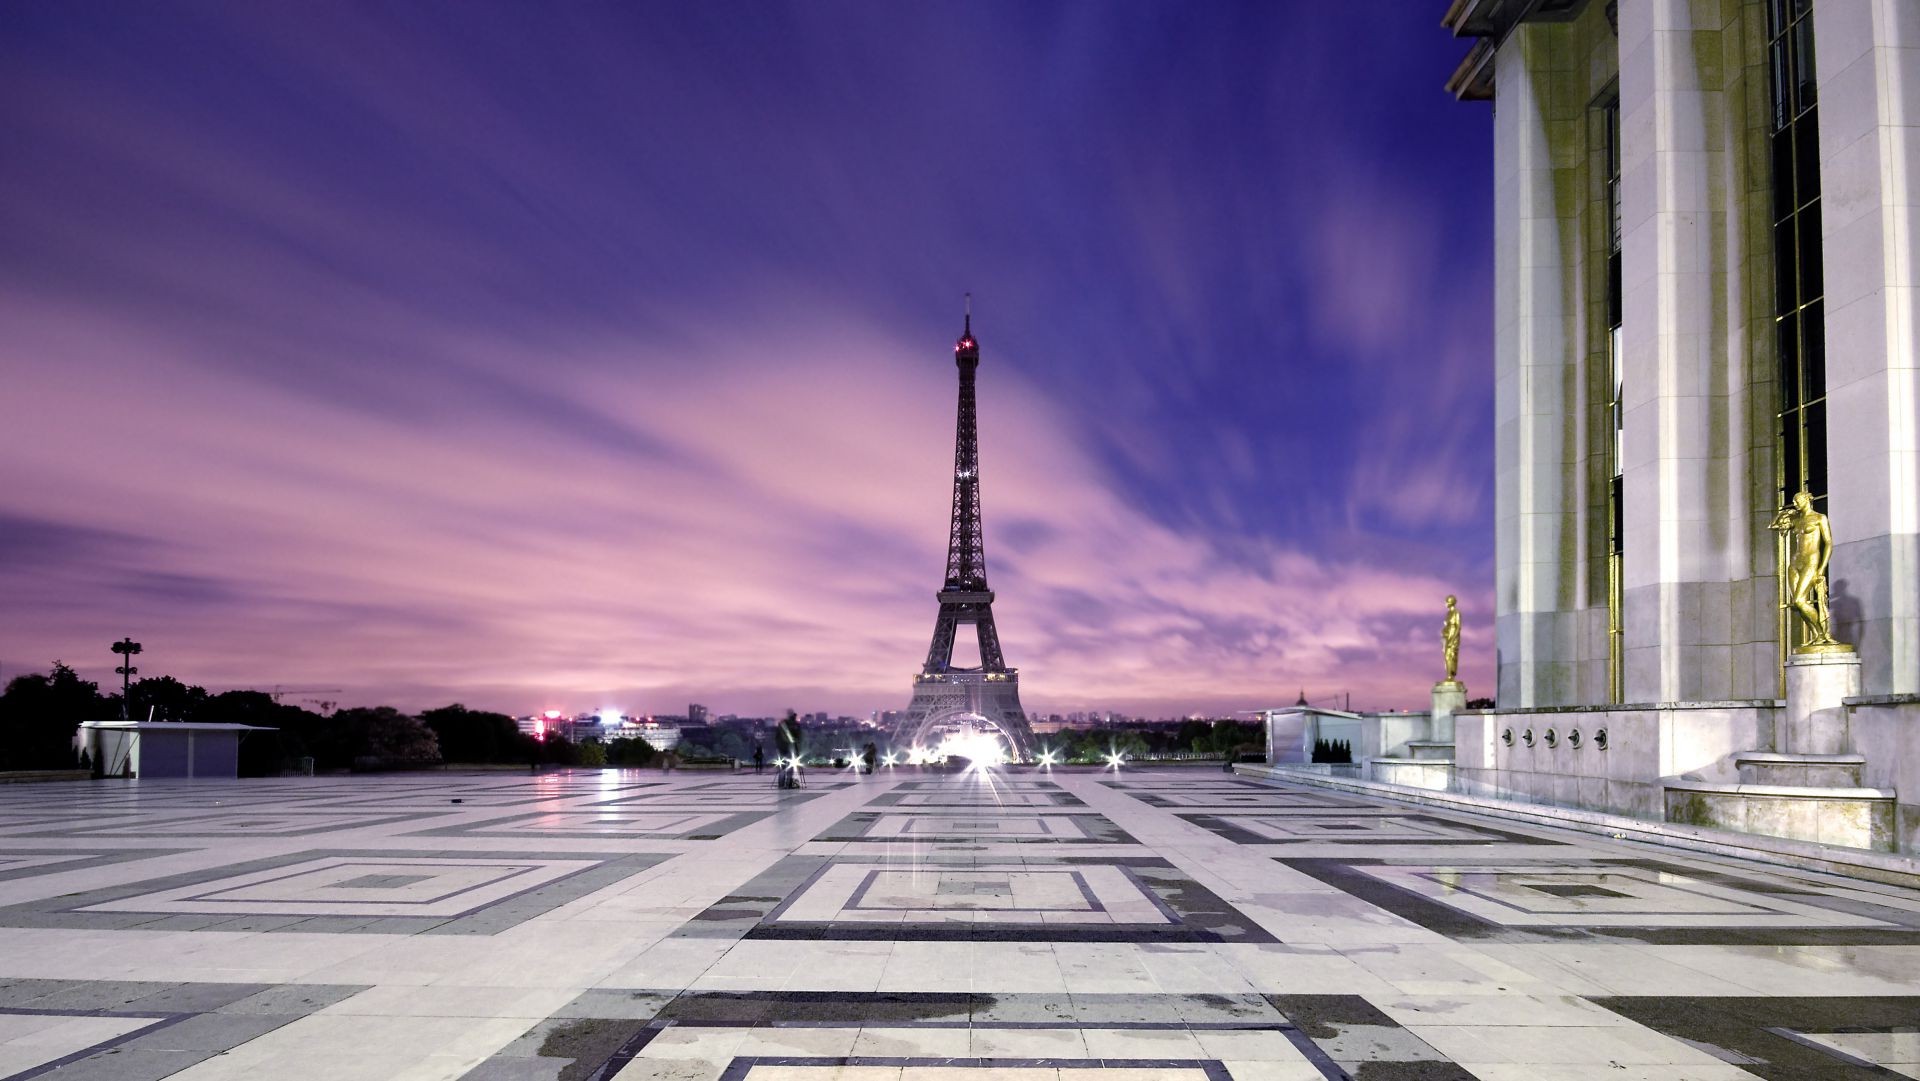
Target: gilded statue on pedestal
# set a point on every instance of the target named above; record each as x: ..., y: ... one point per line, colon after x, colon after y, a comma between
x: 1807, y: 548
x: 1450, y: 639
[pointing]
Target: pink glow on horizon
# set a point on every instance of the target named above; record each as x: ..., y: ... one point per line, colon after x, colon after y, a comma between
x: 777, y: 538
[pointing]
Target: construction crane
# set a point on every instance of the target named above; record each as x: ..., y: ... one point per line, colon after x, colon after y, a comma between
x: 326, y: 706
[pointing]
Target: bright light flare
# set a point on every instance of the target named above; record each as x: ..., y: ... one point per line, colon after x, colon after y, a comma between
x: 983, y: 749
x: 610, y: 716
x: 887, y: 759
x: 1048, y: 757
x: 1115, y: 758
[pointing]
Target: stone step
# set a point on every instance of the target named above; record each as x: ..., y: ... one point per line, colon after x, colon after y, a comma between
x: 1840, y: 815
x: 1811, y: 770
x: 1429, y: 773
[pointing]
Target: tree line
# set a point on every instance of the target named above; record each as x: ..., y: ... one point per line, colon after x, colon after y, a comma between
x: 39, y: 714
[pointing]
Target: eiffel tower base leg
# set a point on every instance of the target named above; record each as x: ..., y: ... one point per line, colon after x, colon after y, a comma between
x: 954, y: 699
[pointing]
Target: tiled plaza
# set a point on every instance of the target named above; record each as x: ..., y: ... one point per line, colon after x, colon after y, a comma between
x: 1074, y: 926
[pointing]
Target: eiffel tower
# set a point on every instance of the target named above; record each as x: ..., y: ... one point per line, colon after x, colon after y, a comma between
x: 949, y: 700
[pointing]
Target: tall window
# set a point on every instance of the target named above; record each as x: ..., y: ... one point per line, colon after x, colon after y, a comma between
x: 1616, y: 412
x: 1799, y: 286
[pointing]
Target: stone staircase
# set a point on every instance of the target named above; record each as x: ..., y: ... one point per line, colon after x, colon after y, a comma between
x: 1810, y: 792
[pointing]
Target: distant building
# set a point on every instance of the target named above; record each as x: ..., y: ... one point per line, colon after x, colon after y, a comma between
x: 697, y: 713
x: 542, y: 725
x: 156, y: 749
x: 661, y: 737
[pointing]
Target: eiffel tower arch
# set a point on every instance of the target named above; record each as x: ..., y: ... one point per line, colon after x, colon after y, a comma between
x: 966, y: 701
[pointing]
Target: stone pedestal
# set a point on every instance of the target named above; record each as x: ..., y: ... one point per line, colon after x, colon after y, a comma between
x: 1815, y: 722
x: 1449, y: 695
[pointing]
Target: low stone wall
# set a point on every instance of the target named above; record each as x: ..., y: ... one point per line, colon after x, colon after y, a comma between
x: 1852, y: 817
x: 1606, y: 759
x: 1666, y: 761
x: 37, y: 776
x: 1428, y: 773
x: 1886, y: 730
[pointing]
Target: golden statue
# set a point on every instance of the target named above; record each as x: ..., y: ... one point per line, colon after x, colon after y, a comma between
x: 1450, y: 638
x: 1808, y: 546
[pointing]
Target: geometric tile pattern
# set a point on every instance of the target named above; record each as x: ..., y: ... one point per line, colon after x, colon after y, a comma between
x: 344, y: 891
x: 984, y: 794
x: 234, y: 824
x: 1646, y: 900
x: 138, y: 1031
x: 689, y: 824
x: 1348, y: 829
x: 33, y: 1042
x: 1019, y: 899
x: 1240, y: 799
x: 957, y: 1037
x: 965, y: 826
x: 27, y: 862
x: 756, y: 800
x: 1073, y: 924
x: 1790, y: 1038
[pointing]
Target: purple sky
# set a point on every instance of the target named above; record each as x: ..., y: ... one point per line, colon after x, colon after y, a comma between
x: 575, y: 355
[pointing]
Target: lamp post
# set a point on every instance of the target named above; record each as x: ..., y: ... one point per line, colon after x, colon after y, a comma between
x: 126, y: 648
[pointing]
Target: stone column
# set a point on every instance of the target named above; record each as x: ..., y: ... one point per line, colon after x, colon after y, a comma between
x: 1686, y: 508
x: 1537, y: 315
x: 1868, y: 65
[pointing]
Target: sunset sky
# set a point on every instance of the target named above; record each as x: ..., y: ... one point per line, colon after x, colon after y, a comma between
x: 581, y: 355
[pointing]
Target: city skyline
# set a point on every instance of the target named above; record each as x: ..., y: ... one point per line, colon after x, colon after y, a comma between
x: 607, y: 355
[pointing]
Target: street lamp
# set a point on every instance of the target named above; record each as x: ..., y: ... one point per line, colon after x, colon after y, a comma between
x: 126, y: 648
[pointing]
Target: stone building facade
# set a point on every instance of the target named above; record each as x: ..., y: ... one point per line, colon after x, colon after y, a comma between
x: 1707, y: 265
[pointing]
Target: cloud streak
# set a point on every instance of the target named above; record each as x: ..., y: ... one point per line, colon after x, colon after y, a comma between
x: 417, y: 395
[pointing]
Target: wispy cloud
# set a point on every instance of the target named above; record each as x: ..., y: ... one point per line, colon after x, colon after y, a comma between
x: 578, y: 373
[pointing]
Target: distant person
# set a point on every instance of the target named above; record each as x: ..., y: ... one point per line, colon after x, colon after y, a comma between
x: 872, y: 755
x: 759, y: 758
x: 786, y: 737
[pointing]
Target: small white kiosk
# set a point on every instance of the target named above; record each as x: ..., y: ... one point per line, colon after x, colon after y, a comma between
x: 157, y: 749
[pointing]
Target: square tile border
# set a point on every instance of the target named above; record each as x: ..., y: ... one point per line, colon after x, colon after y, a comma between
x: 1343, y: 874
x: 67, y: 911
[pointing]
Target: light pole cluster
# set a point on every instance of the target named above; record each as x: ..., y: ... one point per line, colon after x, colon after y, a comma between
x: 126, y: 648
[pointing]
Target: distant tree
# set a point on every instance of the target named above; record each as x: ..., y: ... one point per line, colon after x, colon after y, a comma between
x: 632, y: 751
x: 164, y: 698
x: 386, y: 735
x: 730, y: 743
x: 1194, y: 736
x: 293, y: 731
x: 1332, y: 750
x: 1130, y: 745
x: 1480, y: 703
x: 468, y: 735
x: 593, y: 753
x: 39, y: 715
x: 559, y: 751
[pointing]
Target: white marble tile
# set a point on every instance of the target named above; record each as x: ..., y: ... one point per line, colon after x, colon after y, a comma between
x: 432, y: 1003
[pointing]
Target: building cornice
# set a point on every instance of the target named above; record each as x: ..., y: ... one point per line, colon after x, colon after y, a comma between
x: 1492, y: 21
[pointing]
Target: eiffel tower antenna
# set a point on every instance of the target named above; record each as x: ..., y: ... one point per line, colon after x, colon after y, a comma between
x: 967, y: 701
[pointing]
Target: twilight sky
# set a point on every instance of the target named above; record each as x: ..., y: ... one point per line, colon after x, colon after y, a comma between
x: 590, y: 354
